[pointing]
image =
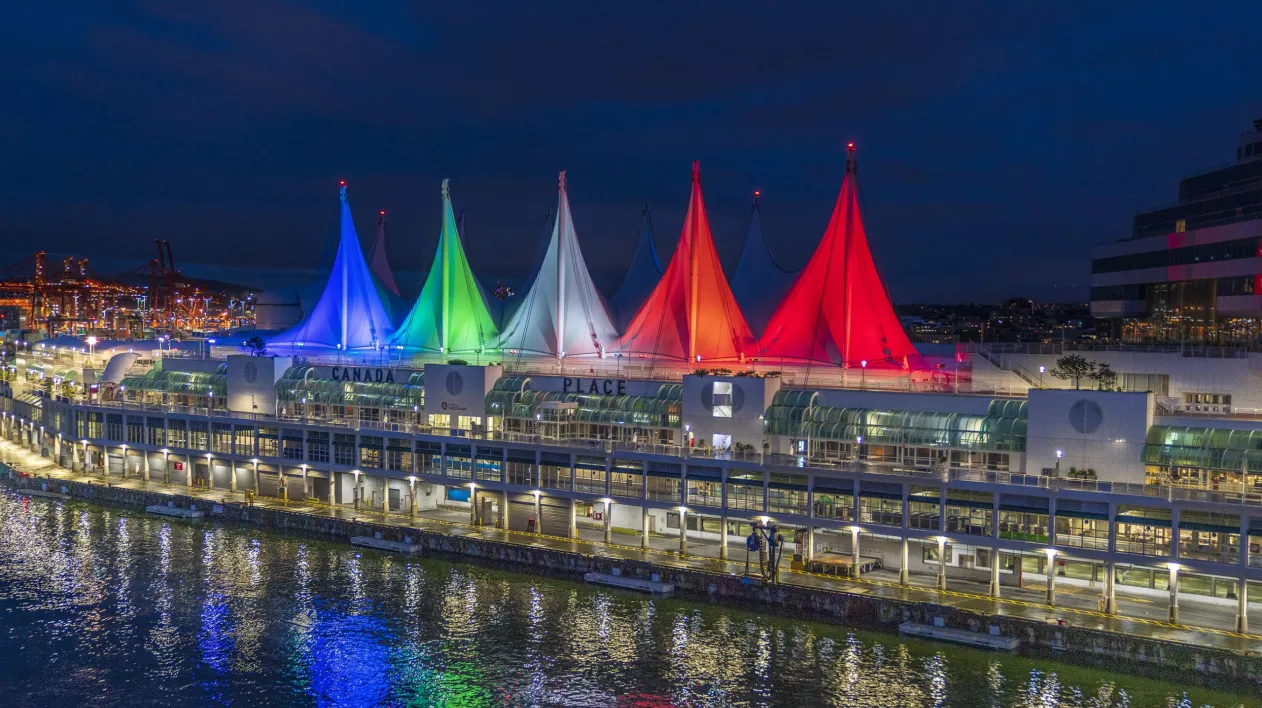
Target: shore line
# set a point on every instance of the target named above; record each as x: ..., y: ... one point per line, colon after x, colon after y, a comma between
x: 1208, y: 666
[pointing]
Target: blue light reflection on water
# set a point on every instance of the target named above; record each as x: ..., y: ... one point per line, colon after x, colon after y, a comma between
x: 102, y: 607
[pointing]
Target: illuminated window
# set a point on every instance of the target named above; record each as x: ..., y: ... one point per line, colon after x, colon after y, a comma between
x: 722, y: 399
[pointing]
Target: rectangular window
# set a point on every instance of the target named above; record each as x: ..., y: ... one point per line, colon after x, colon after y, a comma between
x: 370, y: 451
x: 114, y: 426
x: 429, y: 458
x: 198, y: 435
x: 177, y: 432
x: 221, y: 438
x: 836, y: 505
x: 157, y: 432
x: 589, y: 474
x: 317, y: 446
x: 880, y: 510
x: 458, y: 462
x: 745, y: 491
x: 968, y: 520
x: 722, y: 399
x: 704, y: 492
x: 1023, y: 526
x: 521, y: 468
x: 244, y: 441
x: 343, y: 448
x: 135, y: 429
x: 665, y: 489
x: 627, y: 482
x: 398, y: 455
x: 923, y: 515
x: 1082, y: 533
x: 490, y: 464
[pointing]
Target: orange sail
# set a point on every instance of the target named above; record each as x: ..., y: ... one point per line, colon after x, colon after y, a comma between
x: 691, y: 314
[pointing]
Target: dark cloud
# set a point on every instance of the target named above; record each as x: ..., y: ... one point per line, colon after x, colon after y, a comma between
x: 998, y: 141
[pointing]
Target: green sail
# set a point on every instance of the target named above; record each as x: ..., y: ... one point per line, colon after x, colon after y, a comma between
x: 450, y: 314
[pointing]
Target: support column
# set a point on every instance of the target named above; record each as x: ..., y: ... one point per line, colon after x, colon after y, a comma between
x: 188, y: 470
x: 1110, y: 591
x: 942, y: 563
x: 385, y: 492
x: 503, y: 512
x: 256, y: 478
x: 306, y: 484
x: 538, y: 513
x: 210, y: 473
x: 1174, y: 594
x: 644, y: 527
x: 1242, y: 606
x: 902, y: 567
x: 473, y: 505
x: 412, y: 501
x: 232, y: 480
x: 1051, y: 579
x: 810, y: 544
x: 854, y: 553
x: 608, y: 521
x: 994, y: 573
x: 105, y: 461
x: 284, y: 485
x: 144, y: 464
x: 723, y: 537
x: 683, y: 532
x: 572, y: 531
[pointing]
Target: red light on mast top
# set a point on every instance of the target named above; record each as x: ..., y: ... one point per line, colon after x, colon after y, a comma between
x: 383, y: 212
x: 341, y: 183
x: 849, y: 146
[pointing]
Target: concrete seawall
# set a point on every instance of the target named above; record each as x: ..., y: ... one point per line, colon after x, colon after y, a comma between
x: 1204, y: 665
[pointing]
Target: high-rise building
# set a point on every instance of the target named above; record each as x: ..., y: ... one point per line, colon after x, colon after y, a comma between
x: 1190, y: 273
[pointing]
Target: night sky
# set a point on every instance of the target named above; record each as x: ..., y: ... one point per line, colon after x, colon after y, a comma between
x: 997, y: 142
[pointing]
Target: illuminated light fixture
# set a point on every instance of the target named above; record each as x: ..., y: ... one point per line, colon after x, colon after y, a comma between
x: 1060, y: 454
x: 208, y: 456
x: 255, y: 460
x: 683, y: 509
x: 537, y: 492
x: 764, y: 519
x: 864, y: 363
x: 166, y: 451
x: 411, y: 478
x: 941, y: 539
x: 855, y: 529
x: 607, y: 500
x: 1173, y: 567
x: 1051, y: 553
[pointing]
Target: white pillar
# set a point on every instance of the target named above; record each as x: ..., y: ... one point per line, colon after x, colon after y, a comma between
x: 504, y: 522
x: 232, y: 480
x: 942, y: 563
x: 723, y: 537
x: 994, y: 572
x: 644, y: 527
x: 1174, y: 594
x: 608, y: 521
x: 210, y: 473
x: 572, y: 530
x: 902, y: 568
x: 473, y: 505
x: 854, y: 553
x: 683, y: 532
x: 144, y: 469
x: 188, y: 470
x: 1242, y: 606
x: 1110, y: 591
x: 538, y: 513
x: 385, y: 493
x: 412, y: 501
x: 1051, y: 579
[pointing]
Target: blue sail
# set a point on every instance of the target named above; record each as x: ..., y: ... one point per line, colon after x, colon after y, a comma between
x: 759, y: 282
x: 646, y: 269
x: 349, y: 315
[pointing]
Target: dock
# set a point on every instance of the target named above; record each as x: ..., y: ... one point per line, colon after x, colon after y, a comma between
x: 959, y: 636
x: 841, y: 564
x: 382, y: 544
x: 175, y: 511
x: 655, y: 587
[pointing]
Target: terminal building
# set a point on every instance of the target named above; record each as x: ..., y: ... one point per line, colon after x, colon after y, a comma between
x: 977, y: 466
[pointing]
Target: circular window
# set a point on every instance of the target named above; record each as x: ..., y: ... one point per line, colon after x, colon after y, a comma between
x: 1085, y: 416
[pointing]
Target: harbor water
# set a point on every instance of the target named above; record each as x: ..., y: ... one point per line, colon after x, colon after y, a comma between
x: 105, y: 607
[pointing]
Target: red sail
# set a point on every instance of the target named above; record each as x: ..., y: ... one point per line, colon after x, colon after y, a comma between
x: 691, y: 313
x: 837, y: 310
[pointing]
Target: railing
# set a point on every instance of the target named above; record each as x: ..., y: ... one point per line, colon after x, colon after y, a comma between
x: 988, y: 349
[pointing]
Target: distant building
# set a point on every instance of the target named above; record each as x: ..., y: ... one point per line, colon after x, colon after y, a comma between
x: 1192, y: 272
x: 10, y: 317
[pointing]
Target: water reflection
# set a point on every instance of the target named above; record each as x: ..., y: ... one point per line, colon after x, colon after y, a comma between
x: 100, y: 603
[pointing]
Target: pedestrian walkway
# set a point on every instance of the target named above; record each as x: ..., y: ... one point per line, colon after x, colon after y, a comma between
x: 1076, y: 605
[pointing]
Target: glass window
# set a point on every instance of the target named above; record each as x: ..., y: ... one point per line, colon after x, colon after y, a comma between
x: 722, y: 399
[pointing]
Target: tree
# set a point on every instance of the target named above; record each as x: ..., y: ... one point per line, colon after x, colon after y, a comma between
x: 256, y: 345
x: 1074, y: 368
x: 1105, y: 377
